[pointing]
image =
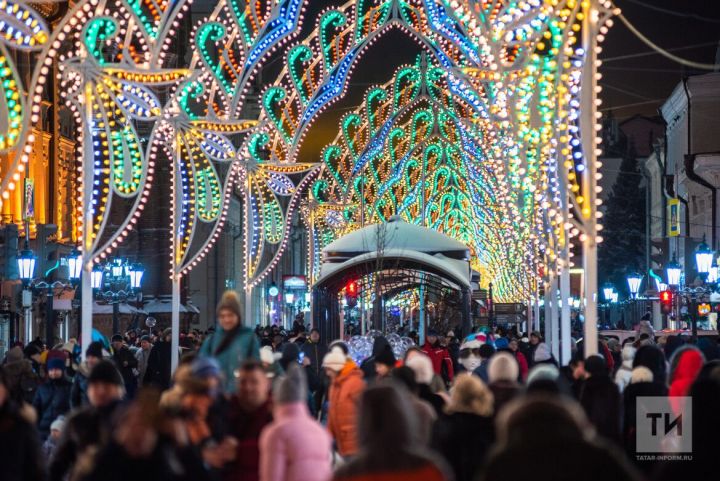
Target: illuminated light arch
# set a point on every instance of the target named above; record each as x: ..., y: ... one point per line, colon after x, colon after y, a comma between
x: 512, y: 80
x: 407, y: 127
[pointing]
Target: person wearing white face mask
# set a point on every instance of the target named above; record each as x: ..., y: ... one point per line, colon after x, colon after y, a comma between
x: 470, y: 355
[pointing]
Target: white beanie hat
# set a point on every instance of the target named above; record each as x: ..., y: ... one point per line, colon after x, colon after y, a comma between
x: 503, y: 367
x: 58, y: 424
x: 422, y: 367
x: 334, y: 360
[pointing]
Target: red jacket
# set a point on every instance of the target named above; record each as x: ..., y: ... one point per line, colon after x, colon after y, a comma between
x: 439, y: 354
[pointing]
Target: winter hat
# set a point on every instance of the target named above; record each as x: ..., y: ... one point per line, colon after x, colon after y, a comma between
x: 145, y: 338
x: 386, y: 357
x: 339, y: 345
x: 266, y: 355
x: 205, y: 367
x: 432, y: 332
x: 116, y: 338
x: 470, y: 395
x: 501, y: 343
x: 542, y: 353
x: 423, y: 368
x: 334, y: 360
x: 292, y: 387
x: 231, y: 302
x: 56, y: 363
x: 58, y: 424
x: 641, y: 374
x: 106, y: 372
x: 503, y: 367
x: 15, y: 354
x: 95, y: 349
x: 547, y: 372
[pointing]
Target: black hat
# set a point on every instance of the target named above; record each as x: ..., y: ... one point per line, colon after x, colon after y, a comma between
x: 386, y: 356
x: 432, y: 332
x: 106, y: 372
x: 95, y: 349
x: 116, y: 338
x: 145, y: 338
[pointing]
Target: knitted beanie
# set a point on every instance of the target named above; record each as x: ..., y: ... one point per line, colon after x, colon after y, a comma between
x: 231, y: 302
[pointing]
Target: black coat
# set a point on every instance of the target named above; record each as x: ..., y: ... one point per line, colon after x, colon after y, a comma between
x: 52, y: 399
x: 556, y: 459
x: 125, y: 361
x: 463, y: 439
x: 20, y: 454
x: 600, y: 398
x: 87, y: 428
x: 630, y: 395
x: 158, y: 366
x: 22, y: 380
x: 315, y: 352
x: 165, y: 463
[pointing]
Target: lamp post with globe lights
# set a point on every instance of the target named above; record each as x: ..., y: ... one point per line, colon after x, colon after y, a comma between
x: 634, y: 281
x: 116, y: 282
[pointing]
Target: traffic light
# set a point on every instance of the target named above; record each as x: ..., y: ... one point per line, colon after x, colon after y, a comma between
x: 666, y: 302
x: 351, y: 293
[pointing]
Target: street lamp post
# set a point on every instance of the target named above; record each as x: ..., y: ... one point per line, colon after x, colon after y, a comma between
x: 608, y: 290
x: 634, y: 280
x: 116, y: 282
x: 26, y: 267
x: 708, y: 275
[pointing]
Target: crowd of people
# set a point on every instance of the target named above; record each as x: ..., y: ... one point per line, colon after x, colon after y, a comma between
x: 268, y: 405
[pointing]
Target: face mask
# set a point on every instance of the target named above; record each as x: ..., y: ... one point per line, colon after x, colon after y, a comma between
x: 471, y: 362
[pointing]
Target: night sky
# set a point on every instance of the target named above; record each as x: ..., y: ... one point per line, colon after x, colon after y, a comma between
x: 636, y: 82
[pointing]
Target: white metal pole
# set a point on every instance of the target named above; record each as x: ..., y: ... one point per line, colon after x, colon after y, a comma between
x: 175, y: 323
x: 589, y: 137
x: 536, y: 318
x: 565, y: 348
x: 548, y: 302
x: 248, y: 242
x: 87, y: 209
x: 551, y: 328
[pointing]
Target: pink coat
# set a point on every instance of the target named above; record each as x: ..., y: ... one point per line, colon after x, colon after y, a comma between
x: 294, y: 447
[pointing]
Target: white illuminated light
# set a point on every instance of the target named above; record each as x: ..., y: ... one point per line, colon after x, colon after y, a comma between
x: 96, y: 278
x: 674, y: 272
x: 74, y: 262
x: 634, y: 281
x: 26, y: 265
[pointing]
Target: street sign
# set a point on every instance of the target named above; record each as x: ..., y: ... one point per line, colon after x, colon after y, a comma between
x: 673, y: 208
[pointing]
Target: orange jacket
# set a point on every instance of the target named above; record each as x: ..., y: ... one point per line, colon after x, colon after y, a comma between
x: 344, y: 397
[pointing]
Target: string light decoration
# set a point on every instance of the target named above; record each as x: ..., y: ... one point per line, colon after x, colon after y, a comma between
x: 501, y: 120
x: 515, y: 65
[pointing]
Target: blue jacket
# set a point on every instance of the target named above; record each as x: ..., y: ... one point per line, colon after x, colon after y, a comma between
x: 52, y: 399
x: 244, y: 346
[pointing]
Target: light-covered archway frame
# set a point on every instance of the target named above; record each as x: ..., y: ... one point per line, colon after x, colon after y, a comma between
x: 525, y: 67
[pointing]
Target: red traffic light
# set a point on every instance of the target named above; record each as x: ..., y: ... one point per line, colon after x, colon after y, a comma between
x: 351, y: 288
x: 666, y: 302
